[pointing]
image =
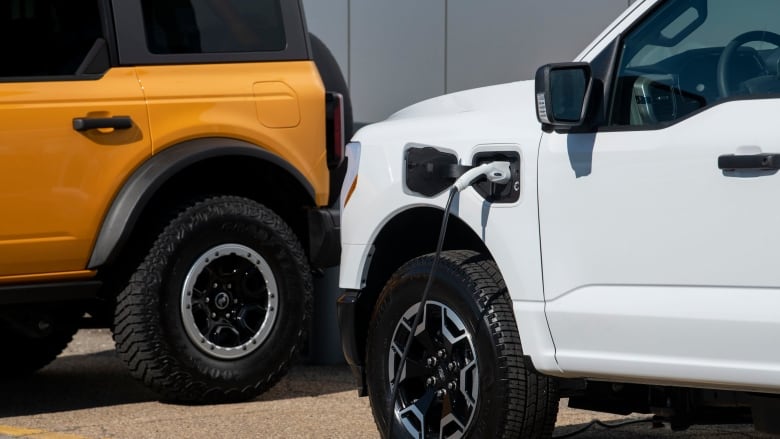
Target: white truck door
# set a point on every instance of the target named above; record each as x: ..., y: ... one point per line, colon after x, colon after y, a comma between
x: 658, y: 264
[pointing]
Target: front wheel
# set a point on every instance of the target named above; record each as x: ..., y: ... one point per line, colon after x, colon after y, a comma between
x: 465, y: 375
x: 217, y: 310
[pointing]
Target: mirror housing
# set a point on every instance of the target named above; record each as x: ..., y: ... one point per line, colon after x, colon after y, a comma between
x: 563, y: 95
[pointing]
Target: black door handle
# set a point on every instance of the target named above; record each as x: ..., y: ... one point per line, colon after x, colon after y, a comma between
x: 91, y: 123
x: 762, y: 162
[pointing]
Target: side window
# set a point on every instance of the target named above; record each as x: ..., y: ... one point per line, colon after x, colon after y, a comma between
x: 44, y: 38
x: 213, y: 26
x: 689, y: 54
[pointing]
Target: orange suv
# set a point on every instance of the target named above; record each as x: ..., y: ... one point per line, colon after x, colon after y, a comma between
x: 166, y: 168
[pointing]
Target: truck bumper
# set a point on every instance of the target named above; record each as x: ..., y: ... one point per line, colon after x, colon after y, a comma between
x: 325, y: 237
x: 346, y: 308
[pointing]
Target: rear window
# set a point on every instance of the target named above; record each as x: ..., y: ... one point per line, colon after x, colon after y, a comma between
x: 213, y: 26
x: 50, y: 37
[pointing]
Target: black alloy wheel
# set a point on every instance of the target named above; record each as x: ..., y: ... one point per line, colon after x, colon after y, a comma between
x: 230, y: 301
x: 465, y: 375
x: 218, y: 309
x: 439, y: 383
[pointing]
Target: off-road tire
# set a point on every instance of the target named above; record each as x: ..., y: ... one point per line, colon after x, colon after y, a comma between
x: 150, y: 318
x: 512, y: 400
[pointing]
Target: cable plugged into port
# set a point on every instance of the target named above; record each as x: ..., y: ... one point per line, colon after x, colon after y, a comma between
x: 495, y: 172
x: 429, y: 172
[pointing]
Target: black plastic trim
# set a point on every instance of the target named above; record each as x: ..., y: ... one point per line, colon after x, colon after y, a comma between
x: 109, y: 31
x: 150, y: 176
x: 133, y: 49
x: 759, y: 162
x: 91, y: 123
x: 325, y: 237
x: 49, y: 292
x: 62, y: 78
x: 346, y: 307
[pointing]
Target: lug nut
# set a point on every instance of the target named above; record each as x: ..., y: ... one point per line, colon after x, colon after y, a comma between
x: 452, y: 366
x: 442, y: 353
x: 441, y: 393
x: 452, y: 385
x: 432, y: 362
x: 431, y: 381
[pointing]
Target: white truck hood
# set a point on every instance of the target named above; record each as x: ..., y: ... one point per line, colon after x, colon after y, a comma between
x: 502, y: 97
x: 504, y: 113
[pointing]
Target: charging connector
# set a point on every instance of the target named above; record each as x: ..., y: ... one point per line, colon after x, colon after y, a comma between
x: 495, y: 172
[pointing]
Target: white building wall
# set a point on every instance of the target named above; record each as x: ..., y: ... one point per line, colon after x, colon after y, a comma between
x: 398, y: 52
x: 495, y: 41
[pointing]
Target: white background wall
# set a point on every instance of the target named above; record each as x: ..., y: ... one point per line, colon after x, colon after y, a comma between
x: 398, y: 52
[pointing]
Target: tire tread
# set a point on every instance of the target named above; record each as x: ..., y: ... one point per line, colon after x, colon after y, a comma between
x: 530, y: 400
x: 137, y: 328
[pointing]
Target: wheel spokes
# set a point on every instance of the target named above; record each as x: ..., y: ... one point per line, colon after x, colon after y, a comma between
x: 229, y: 301
x: 439, y: 387
x: 413, y: 417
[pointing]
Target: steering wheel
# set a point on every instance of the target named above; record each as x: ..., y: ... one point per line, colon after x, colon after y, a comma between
x: 729, y: 54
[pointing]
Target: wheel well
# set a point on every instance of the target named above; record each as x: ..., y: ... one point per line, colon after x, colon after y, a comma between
x: 244, y: 176
x: 412, y: 233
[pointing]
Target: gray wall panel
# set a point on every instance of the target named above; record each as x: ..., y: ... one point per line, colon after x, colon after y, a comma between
x: 329, y: 20
x: 396, y: 55
x: 495, y: 41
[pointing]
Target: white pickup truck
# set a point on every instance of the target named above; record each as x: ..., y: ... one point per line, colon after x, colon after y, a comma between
x: 630, y: 263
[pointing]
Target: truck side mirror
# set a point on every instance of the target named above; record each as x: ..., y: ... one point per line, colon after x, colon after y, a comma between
x: 563, y: 95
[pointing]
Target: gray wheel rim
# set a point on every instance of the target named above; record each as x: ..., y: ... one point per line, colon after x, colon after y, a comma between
x: 229, y: 301
x: 439, y: 385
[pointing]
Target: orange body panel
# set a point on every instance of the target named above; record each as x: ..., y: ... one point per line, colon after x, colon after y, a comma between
x: 278, y: 106
x: 57, y: 183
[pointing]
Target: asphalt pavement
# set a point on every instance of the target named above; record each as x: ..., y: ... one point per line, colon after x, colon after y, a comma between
x: 88, y: 394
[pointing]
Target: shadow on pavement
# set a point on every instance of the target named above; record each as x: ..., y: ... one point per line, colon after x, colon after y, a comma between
x: 309, y: 381
x: 71, y: 383
x: 646, y: 430
x: 77, y: 382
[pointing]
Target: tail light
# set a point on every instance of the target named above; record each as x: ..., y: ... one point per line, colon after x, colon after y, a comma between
x: 334, y: 107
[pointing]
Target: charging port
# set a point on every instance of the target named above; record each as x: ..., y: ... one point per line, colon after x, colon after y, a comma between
x: 500, y: 193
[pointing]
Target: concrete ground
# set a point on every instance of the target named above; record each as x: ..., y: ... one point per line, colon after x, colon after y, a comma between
x: 87, y: 393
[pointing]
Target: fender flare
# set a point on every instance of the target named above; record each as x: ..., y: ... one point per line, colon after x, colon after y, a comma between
x: 143, y: 183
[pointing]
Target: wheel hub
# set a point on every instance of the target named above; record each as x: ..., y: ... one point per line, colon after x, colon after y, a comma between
x: 229, y: 301
x: 444, y: 373
x: 222, y: 301
x: 439, y: 384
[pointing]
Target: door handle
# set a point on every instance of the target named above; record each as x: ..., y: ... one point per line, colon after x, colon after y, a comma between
x: 91, y: 123
x: 761, y: 162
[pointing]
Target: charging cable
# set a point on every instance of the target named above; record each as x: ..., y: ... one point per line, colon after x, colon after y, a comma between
x: 495, y: 172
